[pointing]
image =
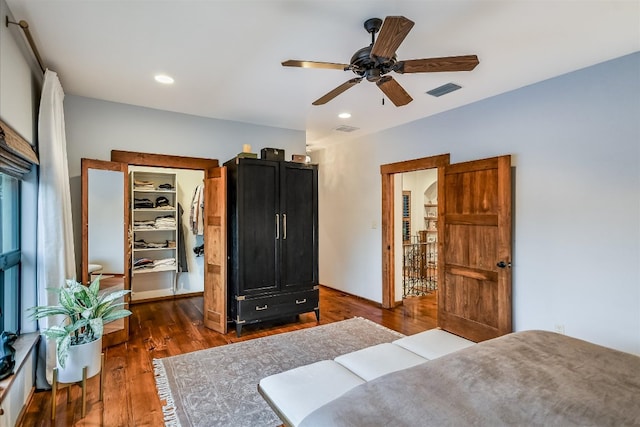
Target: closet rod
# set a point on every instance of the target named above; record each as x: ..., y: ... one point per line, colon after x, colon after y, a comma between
x: 25, y: 28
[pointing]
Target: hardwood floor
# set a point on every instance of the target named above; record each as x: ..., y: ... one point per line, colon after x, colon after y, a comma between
x: 172, y: 327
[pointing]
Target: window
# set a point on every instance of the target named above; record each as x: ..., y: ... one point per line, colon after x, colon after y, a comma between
x: 406, y: 216
x: 9, y: 253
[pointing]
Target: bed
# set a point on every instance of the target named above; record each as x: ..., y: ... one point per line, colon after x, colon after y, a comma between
x: 524, y: 378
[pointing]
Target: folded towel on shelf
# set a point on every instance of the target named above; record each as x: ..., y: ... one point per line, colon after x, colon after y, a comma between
x: 157, y: 245
x: 164, y: 262
x: 149, y: 224
x: 142, y: 263
x: 139, y: 184
x: 139, y: 244
x: 165, y: 222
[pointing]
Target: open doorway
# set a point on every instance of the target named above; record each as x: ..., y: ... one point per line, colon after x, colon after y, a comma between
x: 425, y: 220
x: 418, y: 261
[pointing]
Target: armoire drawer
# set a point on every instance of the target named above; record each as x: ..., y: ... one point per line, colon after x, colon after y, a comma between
x: 274, y: 306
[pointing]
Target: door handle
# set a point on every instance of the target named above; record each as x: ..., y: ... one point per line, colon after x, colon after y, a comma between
x: 503, y: 264
x: 284, y: 226
x: 277, y: 226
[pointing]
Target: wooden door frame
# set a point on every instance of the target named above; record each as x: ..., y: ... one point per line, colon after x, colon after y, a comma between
x: 163, y: 160
x: 388, y: 218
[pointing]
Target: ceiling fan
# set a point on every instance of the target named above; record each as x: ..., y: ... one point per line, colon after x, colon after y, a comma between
x: 375, y: 61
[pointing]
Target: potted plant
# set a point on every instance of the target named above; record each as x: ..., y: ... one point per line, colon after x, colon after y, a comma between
x: 79, y: 336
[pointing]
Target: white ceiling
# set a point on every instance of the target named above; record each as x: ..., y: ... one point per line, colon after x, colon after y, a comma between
x: 225, y: 55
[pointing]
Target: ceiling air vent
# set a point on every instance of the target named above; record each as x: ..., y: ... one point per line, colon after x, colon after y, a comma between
x: 345, y: 128
x: 444, y: 89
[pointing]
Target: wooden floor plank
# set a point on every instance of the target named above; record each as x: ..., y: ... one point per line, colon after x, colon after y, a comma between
x: 171, y: 327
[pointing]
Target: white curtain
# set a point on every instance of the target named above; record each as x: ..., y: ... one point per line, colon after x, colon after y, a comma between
x: 55, y: 253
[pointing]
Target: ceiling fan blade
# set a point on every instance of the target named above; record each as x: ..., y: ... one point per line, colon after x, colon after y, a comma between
x: 315, y: 64
x: 434, y: 65
x: 393, y: 31
x: 394, y: 91
x: 337, y: 91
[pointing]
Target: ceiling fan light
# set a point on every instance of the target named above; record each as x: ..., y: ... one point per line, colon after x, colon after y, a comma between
x: 344, y: 115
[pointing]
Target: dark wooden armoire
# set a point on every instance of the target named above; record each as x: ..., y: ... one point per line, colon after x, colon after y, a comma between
x: 272, y: 240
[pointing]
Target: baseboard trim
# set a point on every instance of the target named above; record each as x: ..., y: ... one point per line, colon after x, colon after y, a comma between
x: 168, y: 297
x: 374, y: 303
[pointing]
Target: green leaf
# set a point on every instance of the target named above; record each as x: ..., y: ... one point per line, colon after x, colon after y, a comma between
x: 118, y: 314
x: 108, y: 297
x: 55, y: 332
x: 95, y: 286
x: 46, y: 311
x: 62, y: 349
x: 97, y: 327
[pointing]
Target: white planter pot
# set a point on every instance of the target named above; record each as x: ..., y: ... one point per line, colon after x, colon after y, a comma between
x: 80, y: 356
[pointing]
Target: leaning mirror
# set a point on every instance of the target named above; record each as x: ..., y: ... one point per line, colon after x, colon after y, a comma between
x: 104, y: 233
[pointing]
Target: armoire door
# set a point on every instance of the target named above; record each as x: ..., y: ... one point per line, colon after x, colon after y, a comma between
x: 299, y: 216
x: 474, y: 295
x: 258, y: 225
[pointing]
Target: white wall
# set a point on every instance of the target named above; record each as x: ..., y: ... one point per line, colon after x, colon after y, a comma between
x: 575, y: 142
x: 398, y: 256
x: 19, y: 83
x: 95, y: 127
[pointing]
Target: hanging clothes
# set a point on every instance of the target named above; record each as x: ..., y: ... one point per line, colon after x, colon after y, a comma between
x: 182, y: 255
x: 196, y: 216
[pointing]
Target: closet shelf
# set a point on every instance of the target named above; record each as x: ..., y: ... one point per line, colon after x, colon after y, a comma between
x: 169, y: 211
x: 152, y: 249
x: 154, y: 229
x: 157, y: 269
x: 139, y: 190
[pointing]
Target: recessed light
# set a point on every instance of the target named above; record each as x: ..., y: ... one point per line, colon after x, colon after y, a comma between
x: 344, y: 115
x: 163, y: 78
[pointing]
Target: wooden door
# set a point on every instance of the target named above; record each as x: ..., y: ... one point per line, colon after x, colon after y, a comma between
x: 215, y: 251
x: 474, y: 296
x: 299, y: 216
x: 258, y: 226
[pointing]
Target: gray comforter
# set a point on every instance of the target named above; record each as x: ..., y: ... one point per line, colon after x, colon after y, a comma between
x: 523, y: 379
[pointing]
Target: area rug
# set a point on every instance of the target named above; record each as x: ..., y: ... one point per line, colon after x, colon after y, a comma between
x: 218, y: 386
